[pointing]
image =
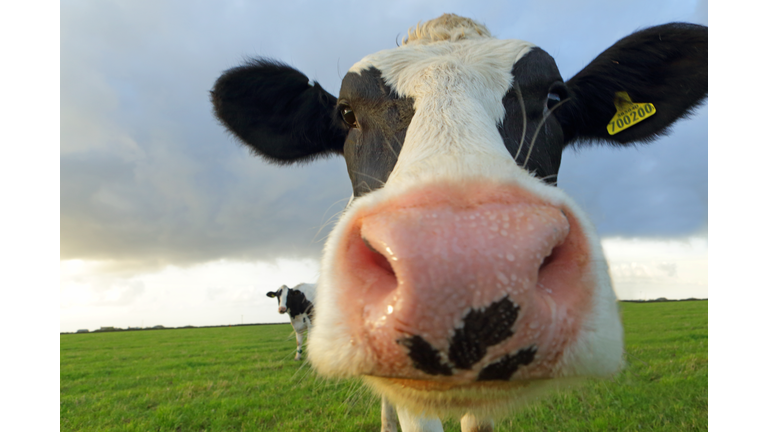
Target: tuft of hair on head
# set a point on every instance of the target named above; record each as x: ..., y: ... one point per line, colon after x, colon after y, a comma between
x: 448, y: 27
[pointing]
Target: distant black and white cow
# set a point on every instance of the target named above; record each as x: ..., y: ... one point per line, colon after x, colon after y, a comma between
x: 461, y: 281
x: 297, y: 302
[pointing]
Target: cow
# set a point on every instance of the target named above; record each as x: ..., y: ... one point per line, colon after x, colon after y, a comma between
x: 460, y: 280
x: 297, y: 302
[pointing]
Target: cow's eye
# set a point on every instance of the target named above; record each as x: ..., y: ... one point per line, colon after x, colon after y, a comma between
x: 557, y: 93
x: 348, y: 115
x: 552, y: 100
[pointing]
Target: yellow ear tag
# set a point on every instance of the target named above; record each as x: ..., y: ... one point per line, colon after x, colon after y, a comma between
x: 628, y: 113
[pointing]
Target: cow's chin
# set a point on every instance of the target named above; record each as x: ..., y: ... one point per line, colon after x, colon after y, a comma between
x: 487, y: 399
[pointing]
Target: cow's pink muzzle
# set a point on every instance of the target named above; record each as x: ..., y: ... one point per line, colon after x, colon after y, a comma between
x: 464, y: 284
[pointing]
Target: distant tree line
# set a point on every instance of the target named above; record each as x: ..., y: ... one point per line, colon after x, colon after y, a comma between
x: 662, y: 299
x: 160, y: 327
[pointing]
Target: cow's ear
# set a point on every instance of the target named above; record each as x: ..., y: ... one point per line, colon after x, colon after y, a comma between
x: 271, y: 294
x: 665, y: 66
x: 277, y: 112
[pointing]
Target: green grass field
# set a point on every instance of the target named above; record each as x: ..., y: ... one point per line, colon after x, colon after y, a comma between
x: 244, y: 378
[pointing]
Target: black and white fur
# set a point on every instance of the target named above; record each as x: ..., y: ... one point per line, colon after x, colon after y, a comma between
x: 297, y: 302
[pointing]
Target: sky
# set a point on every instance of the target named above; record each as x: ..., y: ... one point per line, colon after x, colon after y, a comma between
x: 165, y: 219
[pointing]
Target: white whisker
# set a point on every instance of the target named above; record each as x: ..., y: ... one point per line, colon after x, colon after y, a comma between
x: 333, y: 218
x: 525, y: 119
x: 392, y: 149
x: 550, y: 176
x: 538, y: 128
x: 371, y: 177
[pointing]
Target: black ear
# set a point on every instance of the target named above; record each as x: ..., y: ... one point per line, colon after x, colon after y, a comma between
x: 271, y: 294
x: 664, y: 65
x: 274, y: 109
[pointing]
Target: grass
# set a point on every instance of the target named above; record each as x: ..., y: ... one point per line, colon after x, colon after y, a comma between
x: 662, y: 388
x: 244, y: 379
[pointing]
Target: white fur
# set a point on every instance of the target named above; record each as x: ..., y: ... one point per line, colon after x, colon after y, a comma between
x: 410, y: 422
x: 388, y: 416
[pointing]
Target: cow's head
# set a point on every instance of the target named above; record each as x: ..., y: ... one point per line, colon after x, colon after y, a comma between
x: 460, y: 278
x: 282, y: 298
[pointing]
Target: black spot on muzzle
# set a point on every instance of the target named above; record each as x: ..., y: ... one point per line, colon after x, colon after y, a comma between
x: 503, y: 369
x: 482, y: 329
x: 469, y: 344
x: 425, y: 357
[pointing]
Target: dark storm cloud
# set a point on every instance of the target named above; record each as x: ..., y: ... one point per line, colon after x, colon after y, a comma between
x: 149, y: 178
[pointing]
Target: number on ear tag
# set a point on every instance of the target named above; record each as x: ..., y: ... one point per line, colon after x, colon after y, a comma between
x: 628, y: 113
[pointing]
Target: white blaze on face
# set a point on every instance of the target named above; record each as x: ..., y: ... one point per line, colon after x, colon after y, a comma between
x: 457, y: 88
x: 283, y: 299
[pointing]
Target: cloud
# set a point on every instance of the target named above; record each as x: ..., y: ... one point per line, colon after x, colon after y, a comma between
x: 649, y: 269
x: 95, y: 294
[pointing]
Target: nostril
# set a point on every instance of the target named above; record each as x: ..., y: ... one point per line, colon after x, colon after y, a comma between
x: 548, y: 259
x: 378, y: 259
x: 545, y: 269
x: 553, y: 261
x: 369, y: 270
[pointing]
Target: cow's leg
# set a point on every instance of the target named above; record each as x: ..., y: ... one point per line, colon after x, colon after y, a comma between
x: 299, y: 342
x: 470, y: 423
x: 414, y: 423
x: 388, y: 416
